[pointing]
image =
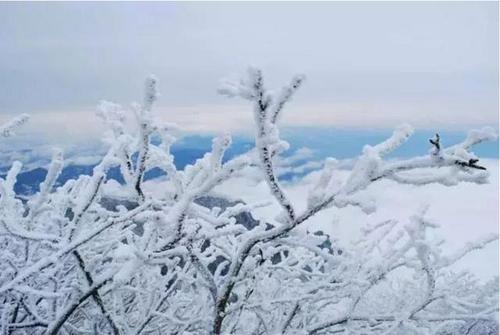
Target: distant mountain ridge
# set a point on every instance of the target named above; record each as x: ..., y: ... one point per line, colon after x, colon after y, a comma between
x: 324, y: 142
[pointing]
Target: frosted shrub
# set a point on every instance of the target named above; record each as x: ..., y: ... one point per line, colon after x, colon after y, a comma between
x: 169, y: 264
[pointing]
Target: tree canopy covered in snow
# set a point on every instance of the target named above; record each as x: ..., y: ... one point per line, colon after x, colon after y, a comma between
x: 81, y: 259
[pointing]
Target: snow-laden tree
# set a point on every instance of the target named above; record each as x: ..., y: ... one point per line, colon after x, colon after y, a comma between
x: 168, y: 263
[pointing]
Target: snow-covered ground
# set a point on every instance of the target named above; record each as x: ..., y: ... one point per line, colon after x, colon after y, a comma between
x: 464, y: 212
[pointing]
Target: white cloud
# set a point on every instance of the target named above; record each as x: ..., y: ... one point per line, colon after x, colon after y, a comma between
x: 464, y: 212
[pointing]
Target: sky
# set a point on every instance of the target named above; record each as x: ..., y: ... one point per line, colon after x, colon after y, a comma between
x: 368, y: 64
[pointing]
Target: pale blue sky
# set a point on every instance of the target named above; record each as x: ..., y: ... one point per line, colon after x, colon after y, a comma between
x: 369, y: 64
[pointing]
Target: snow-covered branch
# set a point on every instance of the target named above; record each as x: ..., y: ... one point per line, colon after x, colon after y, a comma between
x: 9, y: 128
x: 177, y: 256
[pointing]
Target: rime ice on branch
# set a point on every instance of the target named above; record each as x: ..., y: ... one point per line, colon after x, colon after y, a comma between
x: 9, y: 128
x: 186, y: 260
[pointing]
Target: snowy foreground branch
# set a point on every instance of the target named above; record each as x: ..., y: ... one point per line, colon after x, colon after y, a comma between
x: 81, y: 258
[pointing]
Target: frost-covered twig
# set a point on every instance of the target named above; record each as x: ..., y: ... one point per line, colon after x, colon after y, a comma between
x: 9, y: 128
x: 184, y: 259
x: 369, y: 168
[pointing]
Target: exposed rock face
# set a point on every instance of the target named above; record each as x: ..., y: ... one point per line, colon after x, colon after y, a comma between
x: 111, y: 204
x: 210, y: 202
x: 244, y: 218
